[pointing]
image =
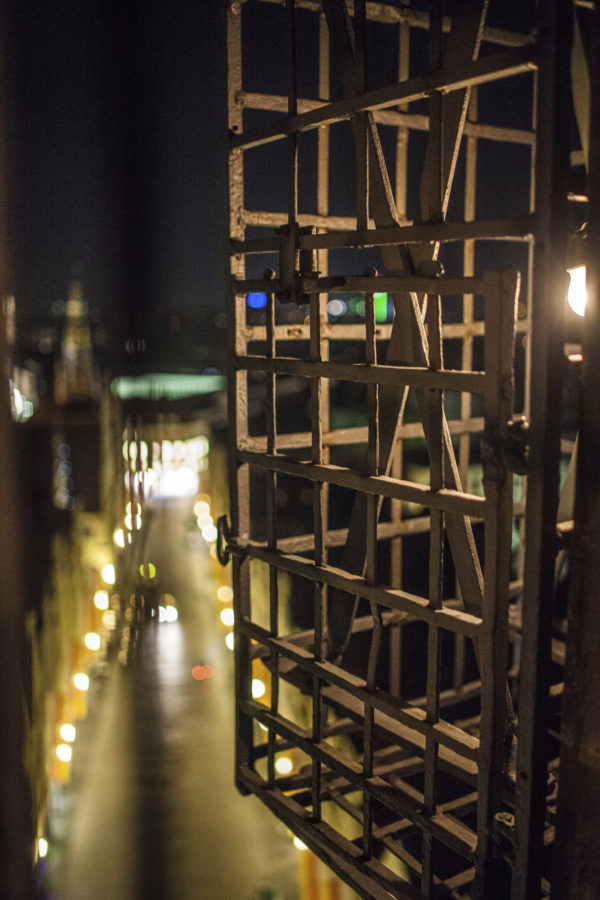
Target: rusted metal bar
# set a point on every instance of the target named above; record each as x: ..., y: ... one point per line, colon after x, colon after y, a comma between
x: 500, y: 316
x: 544, y: 451
x: 480, y: 71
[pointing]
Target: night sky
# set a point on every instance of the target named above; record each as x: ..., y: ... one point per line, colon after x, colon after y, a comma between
x: 117, y: 118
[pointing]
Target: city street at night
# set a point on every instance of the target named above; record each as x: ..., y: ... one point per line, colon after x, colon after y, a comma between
x: 152, y: 811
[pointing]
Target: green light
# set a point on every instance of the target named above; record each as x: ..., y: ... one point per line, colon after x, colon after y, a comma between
x: 169, y: 386
x: 381, y: 307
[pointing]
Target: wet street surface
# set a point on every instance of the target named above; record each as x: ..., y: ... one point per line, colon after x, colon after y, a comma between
x: 151, y: 812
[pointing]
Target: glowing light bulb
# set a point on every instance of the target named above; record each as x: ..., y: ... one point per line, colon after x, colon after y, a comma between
x: 81, y: 681
x: 283, y: 765
x: 64, y: 752
x: 225, y: 594
x: 108, y: 573
x: 577, y: 294
x: 68, y: 732
x: 227, y: 616
x: 92, y: 640
x: 101, y: 600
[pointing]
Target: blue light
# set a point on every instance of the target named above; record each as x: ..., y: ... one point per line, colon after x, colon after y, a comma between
x: 256, y: 300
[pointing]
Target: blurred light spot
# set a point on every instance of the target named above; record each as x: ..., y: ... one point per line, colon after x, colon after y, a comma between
x: 119, y: 537
x: 64, y: 752
x: 81, y: 681
x: 209, y: 533
x: 92, y: 640
x: 148, y: 570
x: 200, y: 673
x: 227, y: 616
x: 258, y: 688
x: 577, y: 293
x: 204, y: 520
x: 380, y: 302
x: 298, y: 844
x: 283, y: 765
x: 225, y: 593
x: 109, y: 619
x: 162, y: 614
x: 108, y: 574
x: 230, y: 640
x: 336, y: 307
x: 256, y: 300
x: 68, y: 732
x: 42, y: 847
x: 101, y: 599
x: 201, y: 508
x: 171, y: 613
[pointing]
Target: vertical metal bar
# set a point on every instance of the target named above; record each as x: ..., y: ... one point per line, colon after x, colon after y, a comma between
x: 546, y: 339
x: 271, y: 423
x: 238, y: 397
x: 402, y: 139
x: 577, y: 862
x: 501, y: 295
x: 433, y: 318
x: 319, y: 350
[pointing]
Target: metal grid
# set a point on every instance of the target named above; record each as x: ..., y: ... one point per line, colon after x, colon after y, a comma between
x: 377, y: 594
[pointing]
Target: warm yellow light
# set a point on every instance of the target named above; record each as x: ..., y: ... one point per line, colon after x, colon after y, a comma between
x: 258, y: 688
x: 101, y: 600
x: 42, y: 847
x: 283, y: 765
x: 64, y: 752
x: 92, y: 640
x: 299, y: 845
x: 201, y: 508
x: 230, y: 640
x: 68, y: 732
x: 227, y: 616
x: 204, y: 520
x: 109, y: 619
x: 209, y: 533
x: 81, y: 681
x: 119, y: 537
x: 108, y: 574
x: 225, y: 593
x: 577, y: 294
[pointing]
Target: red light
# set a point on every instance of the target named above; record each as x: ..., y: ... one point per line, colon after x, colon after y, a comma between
x: 200, y: 673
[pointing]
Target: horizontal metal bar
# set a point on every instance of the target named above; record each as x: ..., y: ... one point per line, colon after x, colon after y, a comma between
x: 269, y: 219
x: 414, y: 717
x: 367, y: 876
x: 357, y: 435
x: 414, y: 376
x: 362, y: 283
x: 479, y: 229
x: 451, y: 832
x: 383, y: 12
x: 455, y: 620
x: 487, y: 68
x: 391, y: 117
x: 383, y: 485
x: 333, y: 331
